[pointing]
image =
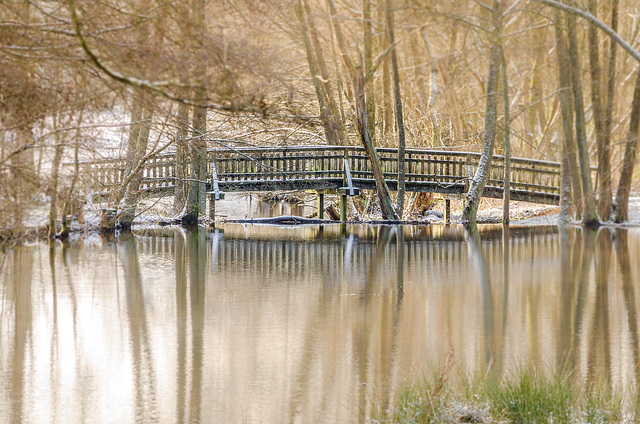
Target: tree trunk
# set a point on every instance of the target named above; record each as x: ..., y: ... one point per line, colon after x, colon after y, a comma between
x: 629, y: 159
x: 604, y: 160
x: 589, y: 213
x: 368, y: 63
x: 566, y: 110
x: 398, y: 112
x: 66, y: 209
x: 387, y: 115
x: 137, y: 152
x: 386, y: 205
x: 506, y: 198
x: 196, y: 199
x: 537, y: 116
x: 53, y: 188
x: 433, y: 90
x: 333, y: 125
x: 484, y: 167
x: 182, y: 159
x: 604, y: 174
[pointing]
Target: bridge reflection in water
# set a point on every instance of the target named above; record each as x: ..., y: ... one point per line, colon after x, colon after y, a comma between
x: 270, y: 324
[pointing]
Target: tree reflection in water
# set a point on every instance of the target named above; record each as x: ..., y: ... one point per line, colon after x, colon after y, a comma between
x: 272, y: 324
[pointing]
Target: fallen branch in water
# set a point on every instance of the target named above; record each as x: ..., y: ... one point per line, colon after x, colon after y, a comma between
x: 286, y: 220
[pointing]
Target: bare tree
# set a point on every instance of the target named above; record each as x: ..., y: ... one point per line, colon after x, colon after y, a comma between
x: 398, y: 111
x: 479, y: 180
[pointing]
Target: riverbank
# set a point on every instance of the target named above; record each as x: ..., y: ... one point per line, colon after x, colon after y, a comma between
x: 238, y: 206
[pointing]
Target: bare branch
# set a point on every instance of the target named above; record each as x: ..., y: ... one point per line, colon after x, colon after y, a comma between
x: 156, y: 87
x: 595, y: 21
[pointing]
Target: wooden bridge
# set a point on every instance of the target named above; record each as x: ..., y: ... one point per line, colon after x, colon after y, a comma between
x: 345, y: 169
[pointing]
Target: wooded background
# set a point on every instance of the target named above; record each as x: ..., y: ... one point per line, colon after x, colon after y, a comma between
x: 84, y: 79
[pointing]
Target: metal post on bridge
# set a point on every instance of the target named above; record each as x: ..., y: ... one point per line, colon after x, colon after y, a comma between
x: 347, y: 190
x: 214, y: 195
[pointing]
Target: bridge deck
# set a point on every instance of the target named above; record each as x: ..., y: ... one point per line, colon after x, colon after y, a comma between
x: 323, y: 167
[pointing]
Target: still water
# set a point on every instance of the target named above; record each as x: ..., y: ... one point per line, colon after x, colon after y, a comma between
x: 261, y: 324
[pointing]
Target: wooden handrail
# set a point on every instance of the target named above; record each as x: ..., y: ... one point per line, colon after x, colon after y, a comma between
x: 325, y: 167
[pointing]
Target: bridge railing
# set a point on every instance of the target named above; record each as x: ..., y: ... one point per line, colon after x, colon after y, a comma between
x: 322, y: 167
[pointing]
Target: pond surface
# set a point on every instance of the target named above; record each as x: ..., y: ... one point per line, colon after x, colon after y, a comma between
x: 259, y: 324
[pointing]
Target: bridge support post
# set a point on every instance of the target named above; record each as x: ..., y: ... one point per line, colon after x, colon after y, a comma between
x: 320, y: 205
x: 447, y: 211
x: 343, y: 207
x: 212, y: 207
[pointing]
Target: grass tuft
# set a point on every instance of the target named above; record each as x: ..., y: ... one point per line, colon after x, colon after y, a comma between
x: 525, y: 397
x: 532, y: 398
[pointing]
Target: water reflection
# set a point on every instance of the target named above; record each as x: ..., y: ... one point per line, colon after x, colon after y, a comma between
x: 273, y: 324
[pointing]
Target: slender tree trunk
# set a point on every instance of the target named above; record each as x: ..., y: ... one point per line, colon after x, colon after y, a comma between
x: 398, y: 112
x: 53, y: 188
x: 387, y: 115
x: 196, y: 199
x: 333, y: 125
x: 537, y: 116
x: 313, y: 68
x: 368, y: 63
x: 589, y: 213
x: 566, y: 110
x: 629, y: 158
x: 506, y: 198
x: 386, y: 205
x: 433, y: 90
x: 604, y: 160
x: 182, y: 159
x: 599, y: 118
x: 66, y: 209
x: 484, y: 167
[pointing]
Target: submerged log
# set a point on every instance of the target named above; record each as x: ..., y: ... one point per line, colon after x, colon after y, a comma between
x: 285, y: 220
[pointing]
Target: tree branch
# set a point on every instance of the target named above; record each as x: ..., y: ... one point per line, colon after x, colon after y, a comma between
x: 154, y: 87
x: 595, y: 21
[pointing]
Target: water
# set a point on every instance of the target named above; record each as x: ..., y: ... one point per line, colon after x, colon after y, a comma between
x: 258, y: 324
